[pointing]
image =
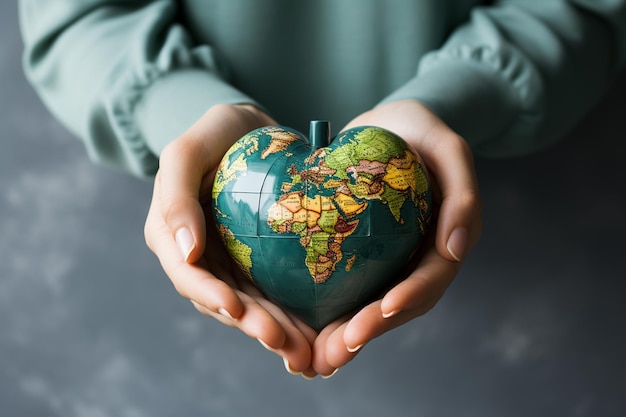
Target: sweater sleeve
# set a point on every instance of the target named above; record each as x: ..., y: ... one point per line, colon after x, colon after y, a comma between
x: 520, y: 73
x: 124, y: 76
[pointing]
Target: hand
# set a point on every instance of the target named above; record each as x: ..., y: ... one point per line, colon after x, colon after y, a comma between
x: 456, y: 230
x: 179, y: 232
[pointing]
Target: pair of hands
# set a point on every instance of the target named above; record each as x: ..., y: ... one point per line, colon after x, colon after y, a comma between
x: 179, y: 232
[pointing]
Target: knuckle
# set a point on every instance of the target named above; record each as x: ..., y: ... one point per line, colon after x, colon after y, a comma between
x: 175, y: 210
x: 452, y: 155
x: 147, y: 235
x: 470, y: 200
x: 148, y: 231
x: 452, y: 144
x: 471, y: 203
x: 168, y: 152
x: 178, y: 150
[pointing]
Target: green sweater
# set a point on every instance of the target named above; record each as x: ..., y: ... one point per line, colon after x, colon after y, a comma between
x: 130, y: 76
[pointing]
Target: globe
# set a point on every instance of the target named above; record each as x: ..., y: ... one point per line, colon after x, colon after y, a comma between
x: 321, y: 227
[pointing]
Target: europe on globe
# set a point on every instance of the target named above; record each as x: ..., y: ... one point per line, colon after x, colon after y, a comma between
x: 321, y: 226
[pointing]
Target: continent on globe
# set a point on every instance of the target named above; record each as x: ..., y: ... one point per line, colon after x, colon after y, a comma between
x: 347, y: 214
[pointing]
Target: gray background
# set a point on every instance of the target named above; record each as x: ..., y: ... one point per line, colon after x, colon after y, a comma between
x: 90, y: 326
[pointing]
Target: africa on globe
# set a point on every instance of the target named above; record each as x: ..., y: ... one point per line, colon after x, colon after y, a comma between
x: 321, y: 226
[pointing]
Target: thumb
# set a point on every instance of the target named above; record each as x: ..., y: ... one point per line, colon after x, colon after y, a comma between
x: 185, y: 169
x: 450, y: 161
x: 182, y: 169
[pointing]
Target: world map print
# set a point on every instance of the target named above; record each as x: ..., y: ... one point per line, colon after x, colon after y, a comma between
x: 342, y: 215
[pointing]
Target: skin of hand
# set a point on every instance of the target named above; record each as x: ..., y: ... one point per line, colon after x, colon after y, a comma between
x: 179, y: 231
x: 455, y: 229
x: 195, y: 260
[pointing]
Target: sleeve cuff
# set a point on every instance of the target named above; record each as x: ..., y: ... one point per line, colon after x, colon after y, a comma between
x: 489, y: 100
x: 174, y: 102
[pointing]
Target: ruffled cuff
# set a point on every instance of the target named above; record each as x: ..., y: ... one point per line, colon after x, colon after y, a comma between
x: 174, y: 102
x: 156, y: 110
x: 490, y: 97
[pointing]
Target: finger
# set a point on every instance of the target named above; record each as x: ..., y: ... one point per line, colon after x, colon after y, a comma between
x: 425, y: 285
x: 329, y: 351
x: 222, y: 318
x: 190, y: 280
x: 186, y: 166
x: 181, y: 172
x: 368, y: 324
x: 296, y: 349
x: 310, y: 335
x: 256, y: 322
x: 198, y: 285
x: 274, y: 330
x: 450, y: 161
x: 411, y: 298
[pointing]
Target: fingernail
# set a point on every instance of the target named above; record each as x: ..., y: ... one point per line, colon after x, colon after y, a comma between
x: 331, y: 374
x: 225, y: 313
x: 457, y: 242
x: 185, y: 242
x: 354, y: 349
x: 308, y: 378
x: 288, y: 367
x: 390, y: 314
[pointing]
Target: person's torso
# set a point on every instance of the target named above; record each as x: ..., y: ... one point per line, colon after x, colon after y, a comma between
x: 322, y: 59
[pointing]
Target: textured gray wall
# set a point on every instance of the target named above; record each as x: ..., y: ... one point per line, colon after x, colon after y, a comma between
x: 535, y: 325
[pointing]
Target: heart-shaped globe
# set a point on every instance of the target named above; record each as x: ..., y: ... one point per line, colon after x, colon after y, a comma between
x: 321, y: 227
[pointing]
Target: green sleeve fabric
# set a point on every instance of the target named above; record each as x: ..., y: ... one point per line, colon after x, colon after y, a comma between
x: 105, y: 68
x: 519, y: 74
x: 127, y: 77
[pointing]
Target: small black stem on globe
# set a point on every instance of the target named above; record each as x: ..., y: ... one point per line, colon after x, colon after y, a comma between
x: 319, y: 133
